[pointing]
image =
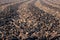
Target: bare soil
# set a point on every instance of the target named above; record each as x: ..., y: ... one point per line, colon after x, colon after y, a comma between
x: 29, y: 20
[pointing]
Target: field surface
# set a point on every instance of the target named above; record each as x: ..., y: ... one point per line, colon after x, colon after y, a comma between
x: 29, y: 20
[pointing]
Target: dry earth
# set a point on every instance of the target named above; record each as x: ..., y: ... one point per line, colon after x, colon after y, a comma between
x: 30, y: 20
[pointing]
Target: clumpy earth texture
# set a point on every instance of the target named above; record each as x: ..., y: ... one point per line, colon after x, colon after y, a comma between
x: 30, y: 20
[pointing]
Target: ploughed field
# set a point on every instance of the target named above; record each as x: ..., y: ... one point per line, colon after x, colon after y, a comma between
x: 30, y: 20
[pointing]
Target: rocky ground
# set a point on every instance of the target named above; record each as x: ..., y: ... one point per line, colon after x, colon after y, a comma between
x: 29, y: 20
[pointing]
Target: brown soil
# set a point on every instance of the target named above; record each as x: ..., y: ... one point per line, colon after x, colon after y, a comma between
x: 29, y: 20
